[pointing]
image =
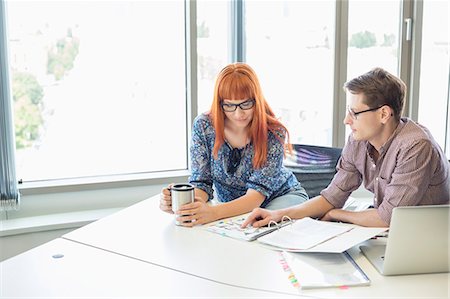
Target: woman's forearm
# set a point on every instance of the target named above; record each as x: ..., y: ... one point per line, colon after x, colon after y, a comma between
x: 244, y: 204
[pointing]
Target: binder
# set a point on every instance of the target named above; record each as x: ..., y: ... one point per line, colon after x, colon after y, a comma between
x: 231, y: 227
x: 322, y: 270
x: 301, y: 235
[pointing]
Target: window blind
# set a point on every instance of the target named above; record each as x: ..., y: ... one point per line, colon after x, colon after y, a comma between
x: 9, y: 193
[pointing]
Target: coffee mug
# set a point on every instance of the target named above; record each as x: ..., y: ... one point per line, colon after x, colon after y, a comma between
x: 181, y: 194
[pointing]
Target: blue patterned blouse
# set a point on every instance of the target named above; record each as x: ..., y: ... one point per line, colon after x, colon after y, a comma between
x: 233, y: 176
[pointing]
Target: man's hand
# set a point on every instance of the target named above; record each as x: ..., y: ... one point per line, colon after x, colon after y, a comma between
x: 329, y: 216
x: 367, y: 217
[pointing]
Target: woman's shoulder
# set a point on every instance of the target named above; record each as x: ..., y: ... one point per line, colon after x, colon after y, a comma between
x: 203, y: 117
x: 203, y: 125
x: 277, y: 136
x: 202, y: 120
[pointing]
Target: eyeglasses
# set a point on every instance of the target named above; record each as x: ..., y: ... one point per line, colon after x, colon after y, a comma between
x: 227, y: 107
x: 354, y: 115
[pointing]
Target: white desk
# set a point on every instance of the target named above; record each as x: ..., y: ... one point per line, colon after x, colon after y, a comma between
x: 144, y: 234
x: 87, y: 272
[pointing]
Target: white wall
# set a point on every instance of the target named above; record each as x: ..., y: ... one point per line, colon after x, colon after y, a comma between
x: 43, y: 217
x: 16, y: 244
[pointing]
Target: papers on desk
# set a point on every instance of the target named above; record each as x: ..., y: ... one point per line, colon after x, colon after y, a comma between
x: 322, y: 270
x: 302, y: 235
x: 231, y: 227
x: 325, y: 236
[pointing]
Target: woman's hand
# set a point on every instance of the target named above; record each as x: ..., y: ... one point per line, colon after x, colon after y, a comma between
x: 195, y: 213
x: 165, y: 201
x: 260, y: 217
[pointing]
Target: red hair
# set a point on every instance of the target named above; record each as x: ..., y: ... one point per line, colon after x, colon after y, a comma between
x: 239, y: 81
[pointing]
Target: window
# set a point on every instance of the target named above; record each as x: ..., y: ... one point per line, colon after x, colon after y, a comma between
x: 213, y: 47
x: 373, y: 36
x: 372, y: 43
x: 290, y: 44
x: 434, y: 103
x: 98, y: 87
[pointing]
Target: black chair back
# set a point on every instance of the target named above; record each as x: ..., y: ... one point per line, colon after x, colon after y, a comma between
x: 314, y: 166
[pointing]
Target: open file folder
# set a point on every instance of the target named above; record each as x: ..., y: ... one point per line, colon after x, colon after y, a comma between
x: 329, y: 238
x: 303, y: 235
x: 340, y: 242
x: 231, y: 227
x: 323, y: 270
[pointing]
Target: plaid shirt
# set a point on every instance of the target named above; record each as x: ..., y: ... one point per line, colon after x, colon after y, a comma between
x: 411, y: 170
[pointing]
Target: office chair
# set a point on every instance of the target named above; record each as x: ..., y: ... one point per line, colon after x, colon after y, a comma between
x: 314, y: 166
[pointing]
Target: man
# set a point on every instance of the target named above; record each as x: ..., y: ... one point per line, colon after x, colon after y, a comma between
x: 396, y: 158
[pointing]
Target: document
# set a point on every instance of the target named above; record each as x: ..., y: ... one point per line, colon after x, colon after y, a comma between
x: 323, y: 270
x: 231, y: 227
x: 303, y: 234
x: 350, y: 236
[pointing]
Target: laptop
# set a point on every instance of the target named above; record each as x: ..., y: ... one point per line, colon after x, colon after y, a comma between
x: 418, y: 242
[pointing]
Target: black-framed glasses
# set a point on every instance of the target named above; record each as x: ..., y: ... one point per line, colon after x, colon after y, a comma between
x: 354, y: 115
x: 246, y: 105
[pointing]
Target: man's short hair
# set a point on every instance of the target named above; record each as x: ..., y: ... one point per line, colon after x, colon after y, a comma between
x: 380, y: 88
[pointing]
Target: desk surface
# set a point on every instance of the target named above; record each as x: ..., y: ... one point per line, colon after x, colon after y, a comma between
x: 87, y: 272
x: 145, y: 235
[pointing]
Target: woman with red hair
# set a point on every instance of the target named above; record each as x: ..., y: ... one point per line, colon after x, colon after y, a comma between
x: 238, y: 146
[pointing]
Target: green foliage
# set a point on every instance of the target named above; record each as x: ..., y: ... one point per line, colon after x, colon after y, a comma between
x: 62, y: 56
x: 28, y: 120
x: 27, y: 98
x: 26, y: 85
x: 389, y: 40
x: 364, y: 39
x: 202, y: 30
x: 28, y: 94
